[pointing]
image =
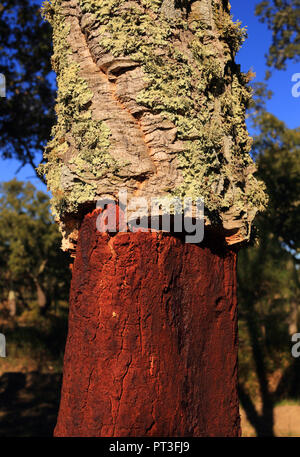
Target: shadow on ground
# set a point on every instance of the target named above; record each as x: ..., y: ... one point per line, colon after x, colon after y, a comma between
x: 29, y: 404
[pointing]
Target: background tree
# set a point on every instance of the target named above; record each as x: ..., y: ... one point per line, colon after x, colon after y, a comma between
x: 266, y: 287
x: 269, y: 275
x: 31, y: 261
x: 27, y: 113
x: 283, y: 19
x: 269, y: 300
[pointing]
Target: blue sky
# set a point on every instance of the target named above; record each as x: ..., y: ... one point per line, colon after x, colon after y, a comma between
x: 252, y: 55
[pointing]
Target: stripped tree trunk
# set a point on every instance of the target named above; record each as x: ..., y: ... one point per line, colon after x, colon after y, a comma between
x: 150, y: 102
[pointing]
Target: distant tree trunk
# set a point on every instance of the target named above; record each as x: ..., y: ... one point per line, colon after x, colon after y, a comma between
x: 12, y: 303
x: 264, y: 422
x: 150, y: 101
x: 294, y: 309
x: 293, y: 317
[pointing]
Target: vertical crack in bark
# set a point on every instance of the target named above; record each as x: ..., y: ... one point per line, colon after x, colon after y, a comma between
x: 87, y: 391
x: 121, y: 395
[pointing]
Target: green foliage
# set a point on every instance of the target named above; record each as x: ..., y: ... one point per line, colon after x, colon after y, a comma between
x: 27, y: 114
x: 30, y: 244
x: 283, y: 19
x: 278, y: 157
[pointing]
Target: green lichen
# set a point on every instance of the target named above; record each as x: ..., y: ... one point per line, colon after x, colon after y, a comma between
x: 205, y: 98
x: 75, y: 128
x: 195, y: 85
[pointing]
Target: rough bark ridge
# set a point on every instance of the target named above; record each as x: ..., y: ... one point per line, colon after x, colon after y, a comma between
x: 150, y: 100
x: 152, y: 343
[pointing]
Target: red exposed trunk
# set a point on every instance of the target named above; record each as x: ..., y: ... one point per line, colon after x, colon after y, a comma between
x: 152, y: 343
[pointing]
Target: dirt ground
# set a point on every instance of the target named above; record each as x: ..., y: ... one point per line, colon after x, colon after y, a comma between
x: 287, y: 421
x: 29, y: 404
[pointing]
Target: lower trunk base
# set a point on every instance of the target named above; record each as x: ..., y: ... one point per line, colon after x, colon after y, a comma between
x: 152, y: 342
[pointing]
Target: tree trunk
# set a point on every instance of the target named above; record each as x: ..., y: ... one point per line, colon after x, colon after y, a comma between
x: 151, y: 102
x: 264, y: 422
x: 12, y: 303
x: 152, y: 344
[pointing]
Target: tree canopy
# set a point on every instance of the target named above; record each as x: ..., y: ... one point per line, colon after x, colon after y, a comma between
x: 278, y: 157
x: 283, y: 19
x: 27, y: 113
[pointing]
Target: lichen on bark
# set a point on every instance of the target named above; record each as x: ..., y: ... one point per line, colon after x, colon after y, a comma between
x: 72, y: 183
x: 151, y: 99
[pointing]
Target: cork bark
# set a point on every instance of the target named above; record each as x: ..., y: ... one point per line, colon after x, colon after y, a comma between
x: 152, y: 343
x: 150, y: 100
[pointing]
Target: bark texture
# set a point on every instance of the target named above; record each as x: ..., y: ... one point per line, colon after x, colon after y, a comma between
x: 152, y: 343
x: 150, y: 100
